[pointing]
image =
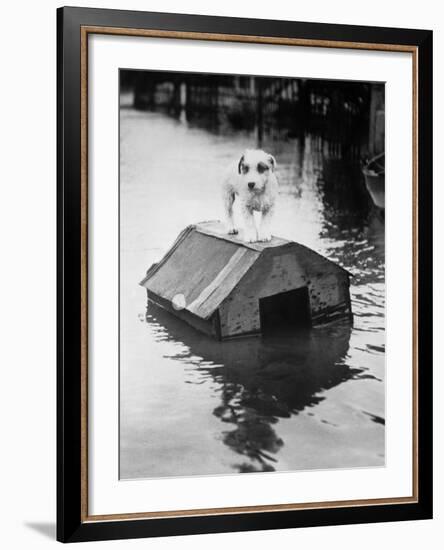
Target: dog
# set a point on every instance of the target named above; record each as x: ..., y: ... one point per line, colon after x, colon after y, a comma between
x: 253, y: 181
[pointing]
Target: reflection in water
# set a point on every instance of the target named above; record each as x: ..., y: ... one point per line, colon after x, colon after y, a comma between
x: 194, y: 406
x: 260, y: 380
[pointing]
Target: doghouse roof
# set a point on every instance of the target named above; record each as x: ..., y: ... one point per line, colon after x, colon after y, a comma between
x: 204, y: 265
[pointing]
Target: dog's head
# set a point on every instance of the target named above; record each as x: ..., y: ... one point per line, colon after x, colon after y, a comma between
x: 255, y: 168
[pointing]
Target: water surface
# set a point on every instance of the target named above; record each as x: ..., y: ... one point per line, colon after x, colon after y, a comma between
x: 193, y: 406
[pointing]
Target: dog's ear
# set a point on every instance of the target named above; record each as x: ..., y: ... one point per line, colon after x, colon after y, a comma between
x: 272, y: 162
x: 239, y: 166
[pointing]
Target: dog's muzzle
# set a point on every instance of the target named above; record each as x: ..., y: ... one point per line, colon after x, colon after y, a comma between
x: 251, y: 185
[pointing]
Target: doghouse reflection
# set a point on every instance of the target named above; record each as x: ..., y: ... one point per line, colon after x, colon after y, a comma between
x: 260, y: 380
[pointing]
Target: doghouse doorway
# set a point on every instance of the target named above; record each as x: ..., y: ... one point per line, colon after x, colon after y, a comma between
x: 284, y: 312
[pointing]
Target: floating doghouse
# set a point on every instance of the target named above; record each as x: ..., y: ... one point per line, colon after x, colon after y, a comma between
x: 225, y: 287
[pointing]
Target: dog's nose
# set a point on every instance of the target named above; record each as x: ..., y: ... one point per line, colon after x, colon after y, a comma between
x: 251, y: 184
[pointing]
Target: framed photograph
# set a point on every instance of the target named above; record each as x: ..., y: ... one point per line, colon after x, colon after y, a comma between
x: 244, y: 274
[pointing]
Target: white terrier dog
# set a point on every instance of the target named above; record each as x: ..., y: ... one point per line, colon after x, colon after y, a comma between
x: 253, y: 180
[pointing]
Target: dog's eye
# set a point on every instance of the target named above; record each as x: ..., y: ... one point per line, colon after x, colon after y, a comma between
x: 245, y: 169
x: 261, y: 167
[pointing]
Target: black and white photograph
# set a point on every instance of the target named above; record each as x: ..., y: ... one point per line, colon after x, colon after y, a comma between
x: 252, y: 274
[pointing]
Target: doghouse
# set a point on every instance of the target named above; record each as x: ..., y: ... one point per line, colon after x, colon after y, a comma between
x: 225, y: 287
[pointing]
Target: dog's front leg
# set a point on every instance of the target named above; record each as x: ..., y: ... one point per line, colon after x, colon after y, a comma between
x: 229, y: 197
x: 249, y: 225
x: 265, y: 225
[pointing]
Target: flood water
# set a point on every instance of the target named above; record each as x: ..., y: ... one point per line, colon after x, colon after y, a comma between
x: 194, y: 406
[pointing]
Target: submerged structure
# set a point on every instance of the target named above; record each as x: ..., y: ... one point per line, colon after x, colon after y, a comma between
x: 225, y: 287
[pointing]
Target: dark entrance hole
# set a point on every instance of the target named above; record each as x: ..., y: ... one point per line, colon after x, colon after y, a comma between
x: 285, y: 312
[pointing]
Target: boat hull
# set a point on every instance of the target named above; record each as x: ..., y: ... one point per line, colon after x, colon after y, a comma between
x: 375, y: 184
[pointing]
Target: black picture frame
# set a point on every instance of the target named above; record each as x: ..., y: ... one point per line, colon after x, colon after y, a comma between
x: 72, y: 525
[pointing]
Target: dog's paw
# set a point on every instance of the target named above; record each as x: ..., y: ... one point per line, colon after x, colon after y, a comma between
x: 250, y: 238
x: 264, y: 237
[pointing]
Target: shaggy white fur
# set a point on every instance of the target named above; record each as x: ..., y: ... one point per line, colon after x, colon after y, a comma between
x: 253, y: 181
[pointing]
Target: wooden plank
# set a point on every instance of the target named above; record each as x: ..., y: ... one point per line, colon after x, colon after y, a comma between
x: 216, y: 229
x: 156, y: 266
x: 191, y: 267
x: 211, y: 296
